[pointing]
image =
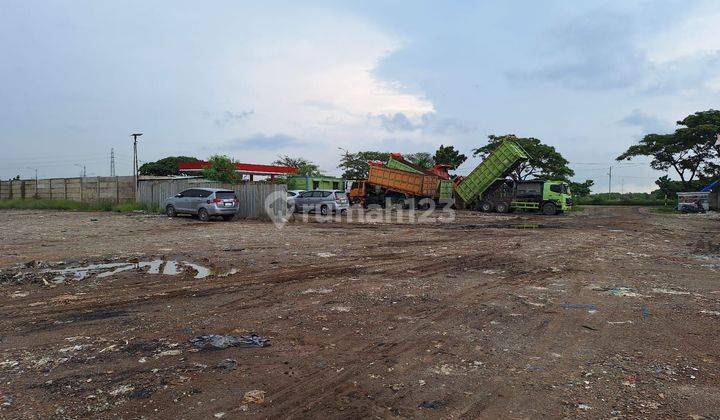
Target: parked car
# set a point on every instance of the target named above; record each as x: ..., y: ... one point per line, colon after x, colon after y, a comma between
x: 324, y: 201
x: 292, y: 195
x: 204, y: 202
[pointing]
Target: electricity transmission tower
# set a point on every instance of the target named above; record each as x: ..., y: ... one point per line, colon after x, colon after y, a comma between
x: 112, y: 162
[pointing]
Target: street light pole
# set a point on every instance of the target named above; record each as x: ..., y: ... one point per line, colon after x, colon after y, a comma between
x: 135, y: 162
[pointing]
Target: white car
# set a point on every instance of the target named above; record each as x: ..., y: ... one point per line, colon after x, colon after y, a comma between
x: 291, y: 195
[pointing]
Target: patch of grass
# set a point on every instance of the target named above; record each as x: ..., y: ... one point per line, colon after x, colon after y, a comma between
x: 617, y: 199
x: 623, y: 202
x: 665, y: 210
x: 132, y: 206
x: 69, y: 205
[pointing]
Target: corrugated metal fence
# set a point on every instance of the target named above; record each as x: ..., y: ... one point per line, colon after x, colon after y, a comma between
x: 252, y: 195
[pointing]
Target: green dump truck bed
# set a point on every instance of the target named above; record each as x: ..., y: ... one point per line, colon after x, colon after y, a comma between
x: 401, y: 166
x: 445, y: 190
x: 496, y: 166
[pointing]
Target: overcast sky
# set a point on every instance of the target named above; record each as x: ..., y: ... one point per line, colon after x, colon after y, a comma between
x: 257, y: 79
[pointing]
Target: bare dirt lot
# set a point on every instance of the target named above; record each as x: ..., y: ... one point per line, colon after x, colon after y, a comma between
x: 608, y: 312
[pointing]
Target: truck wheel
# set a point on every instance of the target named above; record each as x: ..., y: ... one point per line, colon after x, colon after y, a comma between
x: 549, y: 209
x: 502, y: 208
x: 203, y: 215
x: 486, y: 206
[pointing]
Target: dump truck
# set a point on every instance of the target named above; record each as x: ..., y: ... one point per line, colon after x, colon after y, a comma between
x: 396, y: 181
x: 399, y: 180
x: 487, y: 189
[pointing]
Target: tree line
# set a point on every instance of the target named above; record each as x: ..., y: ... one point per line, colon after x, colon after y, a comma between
x: 691, y: 151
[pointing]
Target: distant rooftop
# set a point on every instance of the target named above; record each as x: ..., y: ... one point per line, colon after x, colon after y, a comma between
x: 242, y: 168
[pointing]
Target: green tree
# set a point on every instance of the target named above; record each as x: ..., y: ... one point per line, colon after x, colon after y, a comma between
x: 305, y: 167
x: 165, y: 167
x: 355, y: 165
x: 447, y: 155
x: 222, y: 169
x: 545, y: 162
x: 690, y: 151
x: 581, y: 189
x: 668, y: 187
x: 422, y: 160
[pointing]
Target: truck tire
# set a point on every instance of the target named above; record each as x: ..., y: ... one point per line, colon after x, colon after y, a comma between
x: 502, y: 207
x: 549, y: 209
x: 486, y: 207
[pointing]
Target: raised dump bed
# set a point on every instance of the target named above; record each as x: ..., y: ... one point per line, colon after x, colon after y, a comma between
x: 496, y: 166
x: 403, y: 181
x: 445, y: 190
x: 397, y: 162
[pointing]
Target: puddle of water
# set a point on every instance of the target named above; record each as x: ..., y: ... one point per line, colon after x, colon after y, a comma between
x: 202, y: 272
x: 105, y: 270
x: 171, y: 268
x: 80, y: 273
x: 152, y: 266
x: 116, y: 271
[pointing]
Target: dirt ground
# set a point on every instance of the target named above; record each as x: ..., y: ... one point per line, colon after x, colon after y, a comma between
x: 608, y: 312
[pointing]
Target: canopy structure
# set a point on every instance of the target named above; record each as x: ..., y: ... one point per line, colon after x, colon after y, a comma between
x: 711, y: 187
x: 250, y: 169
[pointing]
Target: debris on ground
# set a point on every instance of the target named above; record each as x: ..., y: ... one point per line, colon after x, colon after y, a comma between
x: 432, y: 405
x: 255, y: 396
x: 224, y: 341
x: 619, y: 291
x: 227, y: 364
x: 405, y: 321
x: 588, y: 306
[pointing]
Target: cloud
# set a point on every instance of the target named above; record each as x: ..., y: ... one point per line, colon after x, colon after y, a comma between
x: 428, y: 123
x: 697, y: 35
x: 320, y: 104
x: 229, y: 116
x: 396, y: 122
x: 592, y: 51
x: 646, y: 122
x: 261, y: 141
x: 645, y: 50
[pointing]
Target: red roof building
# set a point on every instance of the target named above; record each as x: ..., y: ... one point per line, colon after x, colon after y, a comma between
x: 242, y: 168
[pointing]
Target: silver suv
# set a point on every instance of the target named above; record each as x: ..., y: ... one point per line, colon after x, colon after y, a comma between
x: 204, y: 202
x: 323, y: 201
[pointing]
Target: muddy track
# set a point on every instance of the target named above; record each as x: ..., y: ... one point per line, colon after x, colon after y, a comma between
x: 609, y: 313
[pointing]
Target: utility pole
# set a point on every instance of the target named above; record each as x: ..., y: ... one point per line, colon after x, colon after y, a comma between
x: 36, y: 172
x: 36, y: 181
x: 112, y: 162
x: 610, y: 181
x: 135, y: 161
x: 84, y: 172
